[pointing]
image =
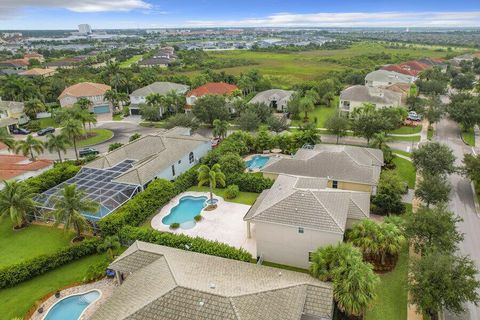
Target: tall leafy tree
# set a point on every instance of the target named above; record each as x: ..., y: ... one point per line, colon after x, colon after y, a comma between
x: 434, y: 158
x: 433, y: 189
x: 112, y: 97
x: 32, y: 107
x: 220, y: 128
x: 211, y: 107
x: 57, y: 143
x: 69, y: 208
x: 175, y: 101
x: 7, y: 139
x: 84, y: 103
x: 16, y: 201
x: 211, y: 176
x: 30, y: 146
x: 338, y: 125
x: 72, y: 129
x: 471, y: 167
x: 111, y: 244
x: 366, y: 121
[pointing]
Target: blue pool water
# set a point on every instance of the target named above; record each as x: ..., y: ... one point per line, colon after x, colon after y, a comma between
x: 187, y: 208
x: 71, y: 308
x: 257, y: 162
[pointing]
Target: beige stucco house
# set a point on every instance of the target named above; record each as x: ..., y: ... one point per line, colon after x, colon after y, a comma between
x: 275, y: 98
x: 299, y: 214
x: 95, y: 92
x: 356, y: 96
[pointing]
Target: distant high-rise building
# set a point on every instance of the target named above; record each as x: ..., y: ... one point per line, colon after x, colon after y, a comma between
x: 84, y: 28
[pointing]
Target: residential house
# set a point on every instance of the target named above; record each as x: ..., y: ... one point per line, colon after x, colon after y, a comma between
x: 356, y: 96
x: 300, y: 214
x: 66, y: 63
x: 345, y: 167
x: 12, y: 114
x: 34, y: 56
x: 275, y: 98
x: 16, y: 167
x: 411, y: 68
x: 401, y: 88
x: 15, y: 64
x: 212, y: 88
x: 154, y: 62
x: 95, y: 92
x: 166, y: 283
x: 118, y: 175
x: 139, y: 96
x: 381, y: 78
x: 38, y: 72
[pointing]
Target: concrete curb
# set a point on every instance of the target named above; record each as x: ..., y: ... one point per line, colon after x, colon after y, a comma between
x: 475, y: 200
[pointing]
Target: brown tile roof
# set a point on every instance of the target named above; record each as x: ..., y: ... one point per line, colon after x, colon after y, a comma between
x: 36, y: 72
x: 85, y: 89
x: 217, y: 88
x: 18, y: 62
x: 32, y: 55
x: 12, y: 166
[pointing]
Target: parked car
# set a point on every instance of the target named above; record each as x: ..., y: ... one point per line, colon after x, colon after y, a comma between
x: 87, y: 151
x: 45, y: 131
x: 215, y: 142
x: 412, y: 115
x: 20, y: 131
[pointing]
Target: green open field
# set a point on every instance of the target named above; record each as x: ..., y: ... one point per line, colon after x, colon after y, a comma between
x: 132, y: 60
x: 34, y: 240
x: 287, y: 69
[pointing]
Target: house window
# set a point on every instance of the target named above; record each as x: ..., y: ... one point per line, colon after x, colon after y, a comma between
x: 191, y: 157
x: 301, y: 230
x: 179, y: 161
x: 173, y: 170
x: 334, y: 184
x: 310, y: 256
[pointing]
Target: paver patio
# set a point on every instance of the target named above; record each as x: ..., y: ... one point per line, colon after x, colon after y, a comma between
x: 224, y: 224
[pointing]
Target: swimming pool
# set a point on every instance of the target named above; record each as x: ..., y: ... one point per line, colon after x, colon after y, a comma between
x: 257, y: 162
x: 186, y: 209
x: 72, y: 307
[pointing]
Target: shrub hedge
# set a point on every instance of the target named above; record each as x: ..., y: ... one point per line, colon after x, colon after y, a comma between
x: 140, y: 207
x: 26, y: 270
x: 184, y: 242
x: 232, y: 191
x: 250, y: 182
x: 50, y: 178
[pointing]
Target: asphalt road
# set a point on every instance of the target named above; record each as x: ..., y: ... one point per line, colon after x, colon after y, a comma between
x: 462, y: 203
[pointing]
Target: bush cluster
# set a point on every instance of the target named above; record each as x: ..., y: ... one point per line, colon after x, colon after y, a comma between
x: 184, y: 242
x: 50, y: 178
x: 26, y: 270
x: 250, y: 182
x: 232, y: 191
x: 135, y: 211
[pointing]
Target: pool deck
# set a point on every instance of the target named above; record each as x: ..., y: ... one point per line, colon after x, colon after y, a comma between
x: 224, y: 224
x: 105, y: 286
x: 273, y: 156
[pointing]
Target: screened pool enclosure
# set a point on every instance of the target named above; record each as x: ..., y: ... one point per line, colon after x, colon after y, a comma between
x: 98, y: 185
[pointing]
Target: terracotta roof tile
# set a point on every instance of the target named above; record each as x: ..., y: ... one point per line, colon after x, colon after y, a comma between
x: 36, y: 72
x: 217, y: 88
x: 12, y: 166
x: 85, y: 89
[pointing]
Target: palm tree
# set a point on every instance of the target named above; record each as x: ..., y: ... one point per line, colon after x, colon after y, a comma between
x: 16, y: 201
x: 32, y: 107
x: 110, y: 244
x: 327, y: 259
x: 220, y: 128
x: 380, y: 140
x: 57, y: 143
x: 122, y: 98
x: 69, y: 208
x: 155, y: 100
x: 72, y: 129
x: 174, y: 100
x: 112, y: 97
x: 84, y: 103
x: 211, y: 176
x: 306, y: 105
x: 29, y: 146
x: 391, y: 241
x: 7, y: 139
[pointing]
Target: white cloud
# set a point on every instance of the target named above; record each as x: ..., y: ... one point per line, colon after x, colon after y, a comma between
x: 352, y: 19
x: 11, y: 7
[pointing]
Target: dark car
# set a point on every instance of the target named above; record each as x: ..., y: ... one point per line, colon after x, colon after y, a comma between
x: 45, y: 131
x: 20, y: 131
x: 87, y: 152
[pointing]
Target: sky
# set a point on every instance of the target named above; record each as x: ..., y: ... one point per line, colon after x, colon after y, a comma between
x: 123, y: 14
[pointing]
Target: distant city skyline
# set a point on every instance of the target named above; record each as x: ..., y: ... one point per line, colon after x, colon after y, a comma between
x: 124, y: 14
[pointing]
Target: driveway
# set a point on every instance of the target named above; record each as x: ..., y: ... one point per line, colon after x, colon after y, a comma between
x: 462, y: 204
x: 224, y: 224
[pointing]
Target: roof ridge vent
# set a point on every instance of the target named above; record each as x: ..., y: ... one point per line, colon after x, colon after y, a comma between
x: 212, y: 285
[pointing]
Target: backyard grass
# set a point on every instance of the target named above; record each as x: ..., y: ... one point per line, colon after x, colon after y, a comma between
x: 405, y: 138
x: 321, y: 114
x: 391, y: 300
x: 407, y: 130
x: 406, y: 171
x: 403, y: 153
x: 156, y: 124
x: 247, y: 198
x: 16, y: 301
x: 16, y: 246
x: 100, y: 135
x: 117, y: 117
x: 132, y: 60
x: 430, y: 133
x: 47, y: 122
x: 468, y: 137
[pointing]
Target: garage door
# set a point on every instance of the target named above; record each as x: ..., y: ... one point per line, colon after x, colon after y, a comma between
x: 101, y: 109
x: 134, y: 111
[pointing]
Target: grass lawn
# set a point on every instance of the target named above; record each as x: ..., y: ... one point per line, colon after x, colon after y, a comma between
x: 391, y: 301
x: 117, y: 117
x: 320, y: 113
x: 406, y: 170
x: 101, y: 135
x: 407, y: 130
x: 18, y: 300
x: 156, y: 124
x: 430, y: 133
x: 247, y: 198
x: 47, y: 122
x: 405, y: 138
x: 403, y: 153
x: 469, y: 137
x: 127, y: 63
x: 16, y: 246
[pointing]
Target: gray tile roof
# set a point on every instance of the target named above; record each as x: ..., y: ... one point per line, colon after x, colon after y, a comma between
x: 388, y: 76
x: 371, y: 95
x: 153, y: 153
x: 335, y: 162
x: 281, y: 96
x: 187, y: 285
x: 319, y: 209
x: 160, y: 88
